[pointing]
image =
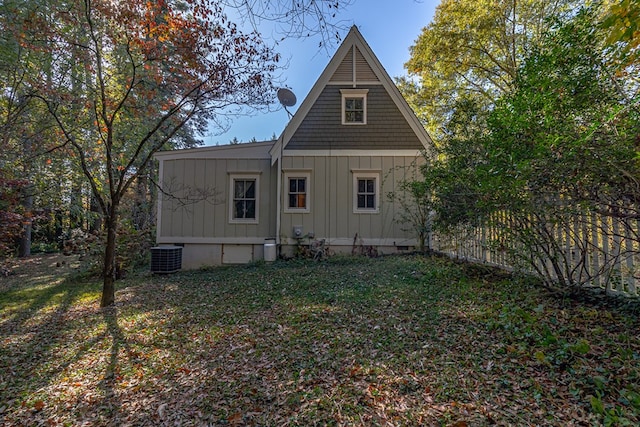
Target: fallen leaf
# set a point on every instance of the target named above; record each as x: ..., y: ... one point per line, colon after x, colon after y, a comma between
x: 235, y: 418
x: 162, y: 410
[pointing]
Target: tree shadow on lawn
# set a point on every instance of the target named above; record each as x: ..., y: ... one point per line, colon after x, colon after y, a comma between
x: 303, y: 344
x: 109, y: 406
x: 308, y: 343
x: 44, y: 332
x: 404, y: 341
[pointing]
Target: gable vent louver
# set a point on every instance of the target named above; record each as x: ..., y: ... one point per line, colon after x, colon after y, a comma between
x: 344, y: 73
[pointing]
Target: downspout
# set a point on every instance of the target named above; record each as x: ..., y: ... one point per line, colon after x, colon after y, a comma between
x: 287, y: 99
x: 279, y: 194
x: 159, y: 201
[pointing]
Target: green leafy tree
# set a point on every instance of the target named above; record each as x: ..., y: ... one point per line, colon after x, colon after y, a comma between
x: 622, y: 24
x: 472, y: 51
x: 461, y: 65
x: 453, y: 173
x: 571, y: 125
x: 559, y: 148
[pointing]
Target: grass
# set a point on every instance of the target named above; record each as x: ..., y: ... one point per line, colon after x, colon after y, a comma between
x: 349, y: 341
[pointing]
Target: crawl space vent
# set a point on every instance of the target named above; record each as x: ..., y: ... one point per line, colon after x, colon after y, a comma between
x: 166, y: 259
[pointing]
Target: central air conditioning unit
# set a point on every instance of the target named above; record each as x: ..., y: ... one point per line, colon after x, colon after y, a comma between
x: 166, y: 259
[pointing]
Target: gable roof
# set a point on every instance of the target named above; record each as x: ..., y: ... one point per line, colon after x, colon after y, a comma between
x: 354, y: 63
x: 250, y: 150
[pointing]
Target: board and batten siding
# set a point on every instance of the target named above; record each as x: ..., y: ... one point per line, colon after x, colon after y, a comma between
x: 331, y: 196
x: 197, y: 209
x: 386, y: 127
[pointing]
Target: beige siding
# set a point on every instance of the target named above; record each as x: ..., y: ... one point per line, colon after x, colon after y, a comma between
x: 341, y: 197
x: 219, y: 219
x: 186, y: 215
x: 209, y: 226
x: 332, y: 195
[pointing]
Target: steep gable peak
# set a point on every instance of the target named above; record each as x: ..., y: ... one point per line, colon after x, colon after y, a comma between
x: 354, y: 69
x: 354, y: 64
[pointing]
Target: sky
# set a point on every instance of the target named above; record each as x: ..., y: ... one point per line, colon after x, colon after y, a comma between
x: 390, y: 27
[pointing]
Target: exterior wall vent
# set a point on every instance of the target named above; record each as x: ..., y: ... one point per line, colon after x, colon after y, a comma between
x: 166, y: 259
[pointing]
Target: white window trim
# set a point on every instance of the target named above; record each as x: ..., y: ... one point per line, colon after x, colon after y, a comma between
x: 232, y: 178
x: 354, y: 93
x: 366, y: 175
x: 295, y: 174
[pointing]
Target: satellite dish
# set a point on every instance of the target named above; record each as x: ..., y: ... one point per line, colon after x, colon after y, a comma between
x: 286, y: 97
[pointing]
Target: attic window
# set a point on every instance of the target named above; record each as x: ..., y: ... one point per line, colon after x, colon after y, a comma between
x: 354, y: 106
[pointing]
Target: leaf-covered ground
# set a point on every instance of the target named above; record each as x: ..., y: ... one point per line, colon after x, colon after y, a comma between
x: 390, y: 341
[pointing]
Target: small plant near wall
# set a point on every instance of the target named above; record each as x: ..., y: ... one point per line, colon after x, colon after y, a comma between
x: 359, y: 248
x: 414, y: 197
x: 312, y: 249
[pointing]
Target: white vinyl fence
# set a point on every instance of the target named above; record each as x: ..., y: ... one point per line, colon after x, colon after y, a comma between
x: 578, y: 250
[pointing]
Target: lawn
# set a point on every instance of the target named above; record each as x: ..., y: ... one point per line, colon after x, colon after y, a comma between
x: 401, y: 340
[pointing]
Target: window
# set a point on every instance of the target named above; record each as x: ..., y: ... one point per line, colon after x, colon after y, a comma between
x: 297, y: 195
x: 244, y: 203
x: 354, y: 110
x: 244, y: 199
x: 366, y: 193
x: 354, y: 106
x: 366, y: 189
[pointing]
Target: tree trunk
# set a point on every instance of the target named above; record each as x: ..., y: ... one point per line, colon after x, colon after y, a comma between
x: 58, y: 228
x: 24, y: 247
x: 153, y: 192
x: 95, y: 215
x: 109, y: 268
x: 140, y: 217
x: 75, y: 207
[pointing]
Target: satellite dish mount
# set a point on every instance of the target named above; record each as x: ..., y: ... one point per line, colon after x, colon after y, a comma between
x: 287, y: 99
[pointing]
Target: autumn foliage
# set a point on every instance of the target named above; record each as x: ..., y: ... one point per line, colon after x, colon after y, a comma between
x: 122, y: 80
x: 11, y: 218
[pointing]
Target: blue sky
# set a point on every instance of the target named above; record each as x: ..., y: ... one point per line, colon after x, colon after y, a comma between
x: 389, y: 26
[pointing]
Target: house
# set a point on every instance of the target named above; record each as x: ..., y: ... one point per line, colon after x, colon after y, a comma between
x: 351, y: 142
